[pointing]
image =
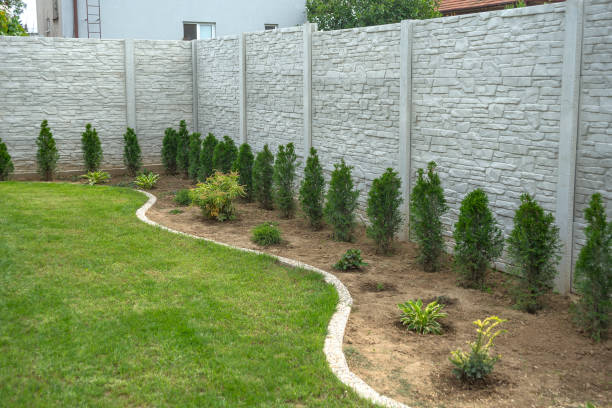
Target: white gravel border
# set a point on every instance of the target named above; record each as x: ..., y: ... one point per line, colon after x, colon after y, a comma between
x: 335, y: 329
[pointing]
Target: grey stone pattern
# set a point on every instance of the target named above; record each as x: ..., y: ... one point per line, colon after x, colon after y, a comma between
x: 219, y: 87
x: 594, y: 152
x: 355, y: 101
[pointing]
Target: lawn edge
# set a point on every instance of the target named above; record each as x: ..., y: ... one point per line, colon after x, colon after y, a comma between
x: 335, y: 329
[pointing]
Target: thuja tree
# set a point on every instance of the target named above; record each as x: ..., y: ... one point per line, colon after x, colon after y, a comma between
x: 284, y: 180
x: 312, y: 190
x: 205, y: 169
x: 533, y: 249
x: 182, y: 149
x: 132, y: 157
x: 263, y: 172
x: 478, y: 240
x: 594, y: 272
x: 92, y: 149
x: 341, y: 203
x: 224, y: 155
x: 46, y: 155
x: 169, y: 146
x: 427, y: 204
x: 195, y: 147
x: 6, y: 164
x: 244, y: 166
x: 384, y: 200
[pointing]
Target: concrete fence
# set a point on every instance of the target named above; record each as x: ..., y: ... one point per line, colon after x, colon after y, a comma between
x: 509, y: 101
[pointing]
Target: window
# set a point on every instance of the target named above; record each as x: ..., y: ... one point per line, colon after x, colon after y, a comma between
x: 198, y: 31
x: 270, y: 26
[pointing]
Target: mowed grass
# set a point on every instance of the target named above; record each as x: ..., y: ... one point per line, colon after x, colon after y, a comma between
x: 99, y: 309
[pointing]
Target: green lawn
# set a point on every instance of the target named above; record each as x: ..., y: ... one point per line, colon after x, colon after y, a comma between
x: 100, y: 309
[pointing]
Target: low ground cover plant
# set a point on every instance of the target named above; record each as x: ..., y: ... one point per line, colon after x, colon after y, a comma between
x: 244, y: 166
x: 132, y: 156
x: 92, y: 148
x: 182, y: 149
x: 146, y: 180
x: 6, y: 164
x: 341, y: 203
x: 312, y: 191
x: 351, y: 259
x: 169, y: 149
x: 266, y: 234
x: 263, y: 172
x: 284, y: 180
x: 205, y: 169
x: 183, y: 197
x: 224, y: 155
x: 46, y: 154
x: 217, y: 195
x: 195, y: 147
x: 384, y: 200
x: 423, y: 320
x: 96, y: 177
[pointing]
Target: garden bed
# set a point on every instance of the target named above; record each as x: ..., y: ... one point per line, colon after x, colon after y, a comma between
x: 545, y: 361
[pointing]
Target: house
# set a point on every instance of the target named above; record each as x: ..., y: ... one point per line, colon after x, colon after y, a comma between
x: 454, y: 7
x: 163, y: 19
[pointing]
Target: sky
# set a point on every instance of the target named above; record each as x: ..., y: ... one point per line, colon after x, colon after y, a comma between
x: 29, y: 15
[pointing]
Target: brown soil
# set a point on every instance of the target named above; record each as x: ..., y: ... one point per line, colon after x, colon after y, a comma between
x: 545, y: 361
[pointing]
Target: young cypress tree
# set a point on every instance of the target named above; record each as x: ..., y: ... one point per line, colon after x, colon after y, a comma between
x: 341, y: 203
x: 427, y: 204
x: 594, y: 273
x: 195, y: 147
x: 47, y: 155
x: 92, y: 149
x: 224, y: 155
x: 384, y: 210
x: 6, y: 164
x: 206, y: 157
x: 478, y: 240
x: 182, y: 149
x: 312, y: 190
x: 284, y: 180
x: 244, y: 166
x: 169, y: 149
x: 131, y: 152
x: 263, y: 172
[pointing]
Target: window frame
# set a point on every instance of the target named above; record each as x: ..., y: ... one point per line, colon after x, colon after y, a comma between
x: 273, y: 26
x: 198, y: 24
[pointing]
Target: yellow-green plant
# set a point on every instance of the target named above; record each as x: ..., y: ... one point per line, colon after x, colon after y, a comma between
x: 146, y: 180
x: 96, y: 177
x: 478, y: 363
x: 421, y: 319
x: 216, y: 196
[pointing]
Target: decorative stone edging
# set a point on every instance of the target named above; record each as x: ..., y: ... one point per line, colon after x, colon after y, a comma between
x: 337, y: 324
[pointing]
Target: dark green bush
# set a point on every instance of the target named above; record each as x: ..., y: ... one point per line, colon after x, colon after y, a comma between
x: 92, y: 149
x: 169, y: 148
x: 183, y: 197
x: 533, y: 248
x: 46, y: 155
x: 182, y: 149
x: 284, y: 180
x: 206, y: 157
x: 384, y: 210
x: 478, y: 240
x: 351, y: 259
x: 263, y: 172
x: 195, y: 147
x: 312, y: 191
x: 266, y: 234
x: 131, y: 152
x: 594, y: 273
x: 244, y: 166
x: 224, y: 155
x: 341, y: 203
x: 6, y: 164
x: 427, y: 204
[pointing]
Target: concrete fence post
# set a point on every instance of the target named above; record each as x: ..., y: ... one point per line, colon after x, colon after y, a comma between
x: 405, y: 121
x: 243, y: 90
x: 307, y: 83
x: 195, y: 90
x: 130, y: 84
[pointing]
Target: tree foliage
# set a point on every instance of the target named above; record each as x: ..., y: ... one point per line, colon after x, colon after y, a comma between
x: 6, y: 164
x: 312, y: 190
x: 10, y: 25
x: 182, y: 149
x: 205, y: 169
x: 263, y: 172
x: 384, y: 200
x: 244, y: 166
x: 284, y: 180
x: 46, y: 155
x: 224, y: 155
x: 195, y: 147
x: 132, y: 157
x: 341, y: 203
x: 92, y: 148
x: 169, y: 147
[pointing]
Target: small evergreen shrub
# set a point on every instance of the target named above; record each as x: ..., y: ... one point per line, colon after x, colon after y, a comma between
x: 478, y: 363
x: 92, y: 148
x: 312, y: 191
x: 96, y: 177
x: 533, y: 248
x: 594, y: 273
x: 216, y: 196
x: 478, y: 240
x: 224, y: 155
x: 182, y: 149
x: 195, y: 147
x: 427, y: 204
x: 6, y: 164
x: 284, y: 180
x: 205, y: 169
x: 146, y: 180
x: 169, y: 149
x: 266, y: 234
x: 244, y: 166
x: 46, y: 155
x: 131, y: 152
x: 351, y: 259
x: 384, y: 210
x: 341, y: 203
x: 263, y: 172
x: 183, y: 197
x: 423, y: 320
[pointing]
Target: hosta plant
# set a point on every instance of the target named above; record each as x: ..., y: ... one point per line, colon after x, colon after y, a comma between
x: 351, y: 259
x: 216, y: 196
x: 146, y: 180
x: 266, y: 234
x: 421, y: 319
x: 96, y: 177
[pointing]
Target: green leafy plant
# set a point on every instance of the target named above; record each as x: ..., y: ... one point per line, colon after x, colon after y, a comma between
x: 380, y: 287
x: 351, y: 259
x: 341, y: 203
x: 421, y: 319
x: 478, y: 240
x: 266, y: 234
x: 533, y: 249
x: 10, y: 24
x: 132, y: 157
x: 96, y: 177
x: 205, y: 169
x: 427, y: 204
x: 216, y: 196
x: 183, y: 197
x: 384, y: 210
x: 169, y: 149
x: 195, y: 148
x: 146, y: 180
x: 478, y: 363
x: 244, y: 166
x: 593, y: 273
x: 284, y: 180
x: 6, y: 164
x: 182, y: 149
x: 175, y: 211
x: 46, y: 155
x: 263, y: 172
x: 312, y: 191
x: 224, y: 155
x: 92, y: 148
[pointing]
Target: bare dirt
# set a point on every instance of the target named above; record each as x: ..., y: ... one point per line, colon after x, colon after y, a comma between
x: 545, y: 361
